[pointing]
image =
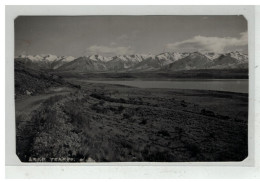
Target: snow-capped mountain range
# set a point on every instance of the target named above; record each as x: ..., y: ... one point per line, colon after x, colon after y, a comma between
x: 49, y: 58
x: 167, y: 61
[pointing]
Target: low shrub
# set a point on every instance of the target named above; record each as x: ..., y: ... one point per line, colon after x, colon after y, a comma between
x: 193, y: 149
x: 143, y: 122
x: 121, y: 108
x: 207, y: 112
x: 222, y: 117
x: 163, y: 133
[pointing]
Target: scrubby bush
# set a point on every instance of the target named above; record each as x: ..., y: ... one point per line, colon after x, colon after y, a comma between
x: 143, y: 122
x: 126, y: 116
x: 121, y: 100
x: 96, y: 107
x: 222, y: 117
x: 207, y: 112
x: 101, y: 96
x: 163, y: 133
x: 193, y: 149
x: 76, y: 86
x: 102, y: 102
x: 121, y: 108
x: 183, y: 103
x: 127, y: 145
x: 137, y: 109
x: 97, y: 96
x: 155, y: 155
x: 79, y: 119
x: 238, y: 120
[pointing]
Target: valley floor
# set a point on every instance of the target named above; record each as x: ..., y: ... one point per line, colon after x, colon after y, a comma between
x: 113, y: 123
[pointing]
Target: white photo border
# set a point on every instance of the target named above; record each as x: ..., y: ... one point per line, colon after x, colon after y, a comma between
x: 124, y: 169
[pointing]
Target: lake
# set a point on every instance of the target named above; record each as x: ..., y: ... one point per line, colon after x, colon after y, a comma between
x: 229, y: 85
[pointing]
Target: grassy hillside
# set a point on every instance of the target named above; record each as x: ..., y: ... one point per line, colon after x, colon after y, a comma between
x: 29, y: 81
x: 113, y: 123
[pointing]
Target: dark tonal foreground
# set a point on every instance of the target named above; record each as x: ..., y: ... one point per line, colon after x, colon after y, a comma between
x: 65, y: 122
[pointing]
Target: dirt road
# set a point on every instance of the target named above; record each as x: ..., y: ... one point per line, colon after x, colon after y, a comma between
x: 30, y: 103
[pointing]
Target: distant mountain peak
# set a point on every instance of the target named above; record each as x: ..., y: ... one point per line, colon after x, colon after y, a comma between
x: 197, y: 54
x: 238, y: 55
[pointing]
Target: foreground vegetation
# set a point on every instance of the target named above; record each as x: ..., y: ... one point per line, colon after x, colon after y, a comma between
x: 116, y: 123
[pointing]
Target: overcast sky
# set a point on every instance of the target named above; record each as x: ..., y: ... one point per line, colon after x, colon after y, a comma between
x: 117, y: 35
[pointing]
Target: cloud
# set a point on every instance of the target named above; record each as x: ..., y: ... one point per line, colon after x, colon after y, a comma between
x: 215, y: 44
x: 123, y: 37
x: 110, y: 50
x: 121, y: 45
x: 113, y: 43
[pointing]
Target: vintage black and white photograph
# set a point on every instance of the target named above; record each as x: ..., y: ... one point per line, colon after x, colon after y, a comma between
x: 152, y: 88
